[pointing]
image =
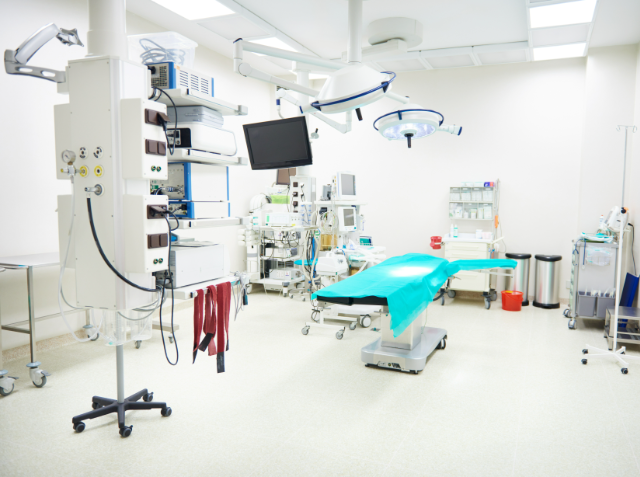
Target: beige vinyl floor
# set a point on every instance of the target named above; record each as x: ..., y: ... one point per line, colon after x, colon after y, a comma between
x: 507, y: 397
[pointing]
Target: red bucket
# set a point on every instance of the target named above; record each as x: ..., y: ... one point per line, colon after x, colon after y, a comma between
x: 511, y: 300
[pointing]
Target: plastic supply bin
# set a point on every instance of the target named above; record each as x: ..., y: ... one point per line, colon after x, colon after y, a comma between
x: 586, y: 305
x: 511, y: 300
x: 520, y: 279
x: 547, y: 281
x: 604, y: 303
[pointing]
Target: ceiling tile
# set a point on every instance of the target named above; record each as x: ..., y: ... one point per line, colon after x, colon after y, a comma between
x: 232, y: 27
x: 455, y: 61
x: 562, y: 35
x: 404, y: 65
x: 501, y: 57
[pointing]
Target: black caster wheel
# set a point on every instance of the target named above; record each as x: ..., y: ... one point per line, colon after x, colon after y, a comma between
x: 585, y: 351
x: 487, y: 303
x: 451, y: 293
x: 138, y: 343
x: 147, y: 397
x: 96, y: 337
x: 584, y: 361
x: 352, y: 326
x: 96, y: 405
x: 339, y: 334
x: 566, y: 313
x: 42, y: 382
x: 126, y: 431
x: 493, y: 296
x: 166, y: 412
x: 442, y: 301
x: 79, y: 427
x: 413, y: 372
x: 624, y: 370
x: 622, y: 352
x: 305, y: 330
x: 572, y: 324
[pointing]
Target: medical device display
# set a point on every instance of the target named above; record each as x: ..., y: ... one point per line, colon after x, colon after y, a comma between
x: 345, y: 186
x: 279, y: 144
x: 347, y: 219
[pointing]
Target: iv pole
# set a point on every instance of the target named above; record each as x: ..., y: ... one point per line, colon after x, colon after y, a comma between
x: 614, y: 352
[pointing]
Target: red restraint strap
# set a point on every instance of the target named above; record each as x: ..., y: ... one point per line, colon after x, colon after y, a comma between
x: 197, y: 321
x: 224, y: 305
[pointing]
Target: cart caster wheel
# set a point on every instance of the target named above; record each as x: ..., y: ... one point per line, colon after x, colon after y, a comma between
x: 585, y: 351
x: 43, y: 381
x: 304, y: 298
x: 305, y: 330
x: 487, y: 303
x: 622, y: 352
x: 624, y: 371
x: 138, y: 343
x: 126, y: 431
x: 96, y: 337
x: 566, y: 312
x: 171, y: 339
x: 79, y: 427
x: 493, y: 296
x: 339, y: 334
x: 451, y: 293
x: 291, y: 296
x: 442, y: 344
x: 572, y: 324
x: 413, y: 371
x: 95, y: 405
x: 442, y: 301
x: 166, y: 412
x: 352, y: 326
x: 365, y: 321
x: 147, y: 397
x: 584, y: 361
x: 4, y: 392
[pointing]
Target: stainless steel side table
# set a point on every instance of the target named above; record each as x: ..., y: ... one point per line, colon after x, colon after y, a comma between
x: 630, y: 333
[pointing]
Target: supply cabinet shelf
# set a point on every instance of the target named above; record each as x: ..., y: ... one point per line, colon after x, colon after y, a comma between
x: 192, y: 155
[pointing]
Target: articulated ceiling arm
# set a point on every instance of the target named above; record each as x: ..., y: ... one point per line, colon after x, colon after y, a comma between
x: 15, y: 61
x: 342, y: 128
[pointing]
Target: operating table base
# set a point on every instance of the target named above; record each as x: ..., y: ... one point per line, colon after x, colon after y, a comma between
x: 406, y: 360
x: 103, y: 406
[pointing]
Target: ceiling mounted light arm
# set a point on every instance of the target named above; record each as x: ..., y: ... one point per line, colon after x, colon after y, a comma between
x: 341, y: 128
x: 245, y: 69
x: 287, y: 55
x: 398, y: 97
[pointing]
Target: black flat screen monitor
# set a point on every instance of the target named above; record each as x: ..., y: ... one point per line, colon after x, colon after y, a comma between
x: 278, y: 144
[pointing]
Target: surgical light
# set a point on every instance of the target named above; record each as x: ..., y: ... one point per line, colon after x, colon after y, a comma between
x: 568, y: 13
x: 352, y: 87
x: 412, y: 121
x: 195, y: 9
x: 557, y: 52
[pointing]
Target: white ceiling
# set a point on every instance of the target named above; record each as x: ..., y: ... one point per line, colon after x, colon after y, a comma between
x: 320, y: 27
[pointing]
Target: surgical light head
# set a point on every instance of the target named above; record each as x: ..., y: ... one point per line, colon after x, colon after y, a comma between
x: 351, y: 87
x: 412, y: 121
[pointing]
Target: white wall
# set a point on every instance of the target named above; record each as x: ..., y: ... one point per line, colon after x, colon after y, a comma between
x: 632, y: 191
x: 610, y: 98
x: 27, y: 154
x: 521, y: 123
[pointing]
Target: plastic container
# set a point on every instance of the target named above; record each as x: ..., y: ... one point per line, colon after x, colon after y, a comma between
x: 586, y: 304
x: 511, y: 300
x: 162, y: 47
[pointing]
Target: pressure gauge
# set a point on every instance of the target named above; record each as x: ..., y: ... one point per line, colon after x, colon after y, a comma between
x: 68, y: 157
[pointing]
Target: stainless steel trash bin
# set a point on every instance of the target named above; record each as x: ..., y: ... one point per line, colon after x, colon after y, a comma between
x: 547, y: 281
x: 520, y: 280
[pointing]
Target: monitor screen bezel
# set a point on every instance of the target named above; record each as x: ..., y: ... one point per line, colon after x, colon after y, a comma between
x: 282, y: 164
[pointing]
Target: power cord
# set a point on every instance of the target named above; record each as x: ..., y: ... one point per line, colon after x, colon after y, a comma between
x: 160, y: 290
x: 172, y: 146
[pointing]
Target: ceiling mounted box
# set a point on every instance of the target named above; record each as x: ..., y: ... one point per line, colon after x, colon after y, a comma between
x: 455, y: 61
x: 232, y: 27
x: 562, y: 35
x: 404, y: 65
x: 502, y: 57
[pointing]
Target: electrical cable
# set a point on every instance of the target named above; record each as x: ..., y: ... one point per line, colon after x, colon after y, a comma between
x: 106, y: 260
x: 173, y: 334
x: 155, y: 53
x: 633, y: 239
x: 172, y: 146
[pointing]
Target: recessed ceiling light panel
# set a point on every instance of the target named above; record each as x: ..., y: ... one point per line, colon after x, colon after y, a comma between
x: 557, y: 52
x: 195, y: 9
x: 568, y: 13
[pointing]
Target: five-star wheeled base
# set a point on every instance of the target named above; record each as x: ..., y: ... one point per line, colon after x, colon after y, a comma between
x: 103, y: 406
x: 617, y: 355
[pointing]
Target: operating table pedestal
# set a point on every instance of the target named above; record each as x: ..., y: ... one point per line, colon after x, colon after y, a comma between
x: 409, y: 351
